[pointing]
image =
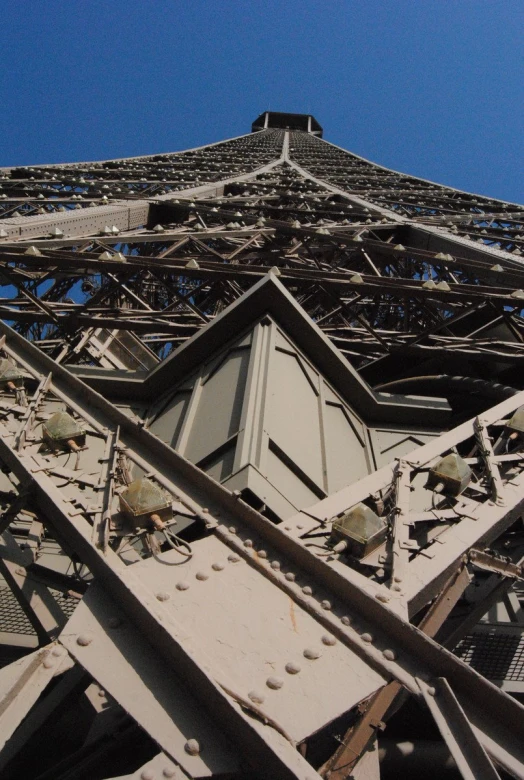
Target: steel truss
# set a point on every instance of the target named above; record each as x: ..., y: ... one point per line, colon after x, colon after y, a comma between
x: 249, y: 643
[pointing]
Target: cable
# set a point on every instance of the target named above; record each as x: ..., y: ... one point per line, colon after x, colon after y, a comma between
x: 445, y: 383
x: 176, y: 543
x: 321, y: 547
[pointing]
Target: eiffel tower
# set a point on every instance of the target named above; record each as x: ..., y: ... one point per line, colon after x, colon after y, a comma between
x: 262, y: 483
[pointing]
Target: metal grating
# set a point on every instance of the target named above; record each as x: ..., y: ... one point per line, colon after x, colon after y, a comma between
x: 13, y: 619
x: 495, y: 655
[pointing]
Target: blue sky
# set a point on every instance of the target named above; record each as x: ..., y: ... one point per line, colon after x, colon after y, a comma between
x: 434, y: 89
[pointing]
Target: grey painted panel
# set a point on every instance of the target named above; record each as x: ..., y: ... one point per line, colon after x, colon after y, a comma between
x: 221, y: 466
x: 389, y: 444
x: 249, y: 477
x: 293, y: 415
x: 287, y: 482
x: 345, y: 454
x: 219, y: 407
x: 169, y: 424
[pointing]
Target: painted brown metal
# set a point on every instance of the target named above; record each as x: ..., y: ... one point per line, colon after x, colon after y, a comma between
x: 213, y: 323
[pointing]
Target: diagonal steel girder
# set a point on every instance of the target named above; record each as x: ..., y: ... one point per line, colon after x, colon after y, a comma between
x: 414, y: 655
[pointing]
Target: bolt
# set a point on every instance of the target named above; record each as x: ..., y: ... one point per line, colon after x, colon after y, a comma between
x: 390, y: 655
x: 275, y: 565
x: 192, y: 747
x: 345, y: 620
x: 232, y: 529
x: 84, y: 639
x: 292, y: 667
x: 275, y: 683
x: 312, y: 653
x: 248, y: 543
x: 262, y: 554
x: 218, y: 566
x: 202, y: 575
x: 256, y: 697
x: 367, y: 638
x: 233, y: 558
x: 329, y: 639
x: 162, y: 596
x: 290, y: 576
x: 325, y: 604
x: 182, y: 585
x: 307, y: 590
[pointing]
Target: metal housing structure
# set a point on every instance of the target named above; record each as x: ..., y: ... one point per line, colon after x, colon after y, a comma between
x: 262, y: 483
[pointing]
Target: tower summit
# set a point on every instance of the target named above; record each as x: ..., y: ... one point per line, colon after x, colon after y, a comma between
x: 283, y: 121
x: 261, y: 449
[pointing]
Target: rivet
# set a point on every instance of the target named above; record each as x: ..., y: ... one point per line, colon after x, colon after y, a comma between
x: 169, y: 771
x: 233, y: 558
x: 325, y: 604
x: 192, y: 747
x: 205, y: 509
x: 290, y: 576
x: 345, y: 620
x: 329, y: 639
x: 275, y: 565
x: 248, y: 543
x: 101, y: 692
x: 262, y: 554
x: 114, y: 622
x: 307, y: 590
x: 57, y: 651
x: 312, y: 653
x: 147, y: 774
x: 396, y: 588
x: 162, y: 596
x: 390, y: 655
x: 430, y: 691
x: 182, y: 585
x: 300, y: 526
x: 256, y: 697
x: 397, y: 578
x: 274, y: 682
x: 292, y: 667
x: 367, y: 638
x: 218, y: 566
x: 202, y: 575
x: 232, y: 529
x: 84, y: 639
x: 287, y: 528
x: 48, y: 663
x: 382, y: 597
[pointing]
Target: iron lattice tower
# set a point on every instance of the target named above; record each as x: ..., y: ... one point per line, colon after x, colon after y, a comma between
x: 261, y: 434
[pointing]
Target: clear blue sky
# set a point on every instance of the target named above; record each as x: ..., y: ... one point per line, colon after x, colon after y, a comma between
x: 432, y: 88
